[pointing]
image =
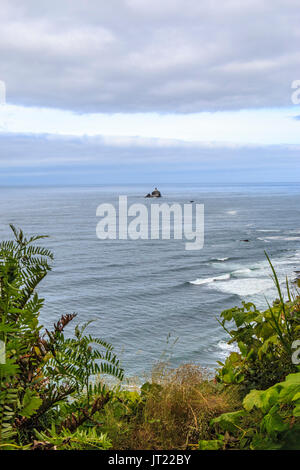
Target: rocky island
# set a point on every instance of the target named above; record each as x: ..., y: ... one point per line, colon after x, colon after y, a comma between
x: 155, y: 193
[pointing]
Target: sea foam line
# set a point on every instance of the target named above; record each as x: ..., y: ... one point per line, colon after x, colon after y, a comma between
x: 208, y: 280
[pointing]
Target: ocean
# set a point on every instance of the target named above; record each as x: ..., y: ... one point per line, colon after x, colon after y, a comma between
x: 152, y: 299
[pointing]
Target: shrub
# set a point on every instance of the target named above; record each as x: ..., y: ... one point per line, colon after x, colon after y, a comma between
x: 270, y: 420
x: 173, y: 412
x: 264, y: 340
x: 46, y: 378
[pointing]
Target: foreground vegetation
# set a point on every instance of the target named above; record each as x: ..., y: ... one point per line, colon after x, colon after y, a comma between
x: 53, y: 393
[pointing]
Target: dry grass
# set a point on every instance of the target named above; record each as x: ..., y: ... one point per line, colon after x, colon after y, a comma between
x: 177, y: 414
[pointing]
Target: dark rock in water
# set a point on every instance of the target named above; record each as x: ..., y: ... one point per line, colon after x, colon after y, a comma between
x: 155, y: 193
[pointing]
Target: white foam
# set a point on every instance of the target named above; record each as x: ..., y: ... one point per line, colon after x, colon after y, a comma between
x: 246, y: 286
x: 226, y: 348
x: 242, y: 271
x: 267, y: 230
x: 246, y: 282
x: 282, y: 237
x: 208, y: 280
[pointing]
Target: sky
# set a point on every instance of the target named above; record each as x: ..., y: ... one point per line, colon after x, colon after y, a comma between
x: 131, y: 91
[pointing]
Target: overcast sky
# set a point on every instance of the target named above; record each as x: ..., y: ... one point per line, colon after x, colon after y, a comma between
x: 100, y: 91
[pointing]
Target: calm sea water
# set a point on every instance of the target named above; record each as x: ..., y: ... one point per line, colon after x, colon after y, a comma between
x: 139, y: 292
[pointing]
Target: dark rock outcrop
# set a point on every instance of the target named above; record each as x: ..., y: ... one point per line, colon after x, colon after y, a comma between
x: 155, y: 193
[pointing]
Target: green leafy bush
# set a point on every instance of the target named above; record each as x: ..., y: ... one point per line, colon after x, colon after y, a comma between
x: 46, y: 378
x: 270, y: 420
x: 264, y: 340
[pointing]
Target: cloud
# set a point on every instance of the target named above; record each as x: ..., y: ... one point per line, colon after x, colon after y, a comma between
x: 175, y: 56
x: 241, y: 127
x: 42, y: 159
